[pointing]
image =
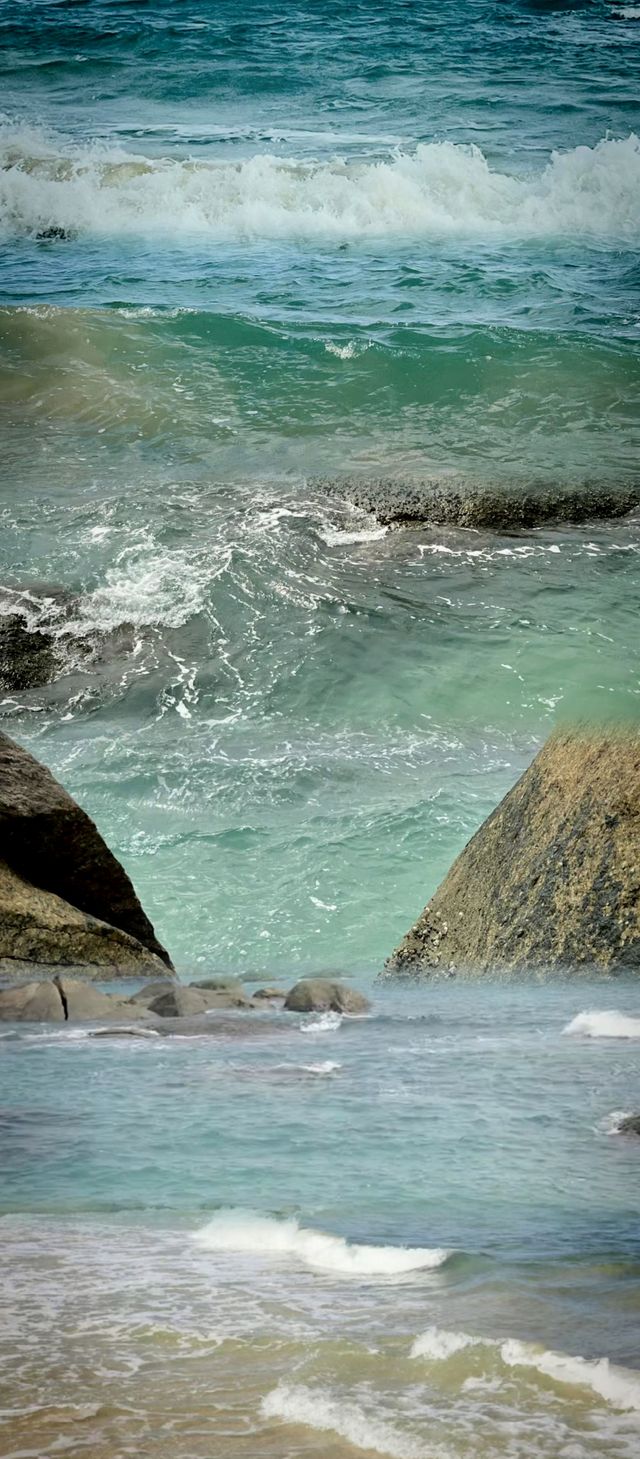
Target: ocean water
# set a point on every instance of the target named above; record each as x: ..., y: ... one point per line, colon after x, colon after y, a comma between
x: 249, y: 261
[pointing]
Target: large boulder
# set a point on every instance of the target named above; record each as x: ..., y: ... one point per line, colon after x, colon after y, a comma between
x: 84, y: 1004
x: 323, y: 995
x: 187, y: 1001
x: 31, y: 1003
x: 552, y: 878
x: 64, y: 898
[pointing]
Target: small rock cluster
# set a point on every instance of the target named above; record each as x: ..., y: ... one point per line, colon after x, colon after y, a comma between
x: 67, y: 999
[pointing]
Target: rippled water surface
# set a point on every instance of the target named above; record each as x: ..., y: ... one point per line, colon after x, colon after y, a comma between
x: 249, y: 262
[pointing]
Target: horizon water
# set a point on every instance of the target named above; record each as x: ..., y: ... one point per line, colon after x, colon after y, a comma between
x: 249, y: 262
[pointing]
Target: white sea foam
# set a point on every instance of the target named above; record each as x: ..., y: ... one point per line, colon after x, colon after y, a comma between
x: 611, y: 1124
x: 317, y: 1409
x: 605, y: 1024
x: 618, y: 1386
x: 440, y: 188
x: 246, y: 1231
x: 322, y: 1023
x: 337, y: 537
x: 438, y: 1345
x: 328, y: 1066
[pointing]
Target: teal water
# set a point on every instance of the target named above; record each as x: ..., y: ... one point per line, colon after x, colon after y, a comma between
x: 248, y: 262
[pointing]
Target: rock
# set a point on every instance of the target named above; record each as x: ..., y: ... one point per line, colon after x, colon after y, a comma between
x: 124, y: 1033
x: 551, y: 880
x: 31, y: 1003
x: 84, y: 1004
x: 184, y: 1002
x: 266, y: 993
x: 215, y: 985
x: 145, y: 996
x: 39, y: 930
x: 321, y: 995
x: 27, y: 658
x: 630, y: 1125
x: 460, y: 503
x: 64, y: 898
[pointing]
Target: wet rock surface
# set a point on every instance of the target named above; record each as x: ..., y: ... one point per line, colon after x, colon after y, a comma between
x: 65, y: 900
x: 321, y: 995
x: 399, y: 502
x: 551, y: 881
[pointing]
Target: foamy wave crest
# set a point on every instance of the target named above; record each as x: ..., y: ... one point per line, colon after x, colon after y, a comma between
x: 439, y: 1345
x: 440, y: 188
x: 148, y: 585
x: 608, y: 1024
x: 244, y: 1231
x: 618, y: 1386
x: 323, y: 1023
x: 317, y: 1409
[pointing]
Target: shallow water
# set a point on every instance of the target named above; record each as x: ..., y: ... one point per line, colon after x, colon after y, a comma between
x: 248, y: 262
x: 314, y: 1235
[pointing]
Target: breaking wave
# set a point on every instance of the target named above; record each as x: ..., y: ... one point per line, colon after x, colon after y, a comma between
x: 618, y: 1386
x: 317, y: 1409
x: 608, y: 1024
x: 50, y: 187
x: 438, y: 1345
x: 244, y: 1231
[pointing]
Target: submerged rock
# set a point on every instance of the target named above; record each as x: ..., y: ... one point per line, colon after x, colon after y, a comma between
x: 64, y: 898
x: 552, y: 878
x: 629, y: 1125
x: 321, y: 995
x: 501, y: 508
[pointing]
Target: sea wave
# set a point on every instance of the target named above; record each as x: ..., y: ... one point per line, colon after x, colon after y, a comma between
x: 246, y: 1231
x: 618, y: 1386
x: 322, y: 1023
x: 440, y: 188
x: 318, y: 1409
x: 605, y: 1024
x: 438, y: 1345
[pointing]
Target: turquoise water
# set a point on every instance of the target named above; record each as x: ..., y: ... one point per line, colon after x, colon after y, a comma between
x: 247, y: 263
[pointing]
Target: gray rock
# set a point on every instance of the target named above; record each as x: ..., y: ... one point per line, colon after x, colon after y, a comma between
x: 269, y: 993
x: 630, y: 1125
x: 124, y: 1033
x: 64, y: 898
x: 551, y: 881
x: 321, y: 995
x: 501, y: 508
x: 217, y: 984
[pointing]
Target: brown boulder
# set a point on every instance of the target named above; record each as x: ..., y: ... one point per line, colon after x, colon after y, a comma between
x: 64, y: 898
x: 323, y: 995
x: 552, y: 878
x: 83, y: 1003
x: 31, y: 1003
x: 186, y: 1001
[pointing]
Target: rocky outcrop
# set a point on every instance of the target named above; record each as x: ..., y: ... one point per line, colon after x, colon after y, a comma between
x: 64, y: 898
x: 459, y: 503
x: 323, y: 995
x: 552, y: 878
x: 629, y: 1125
